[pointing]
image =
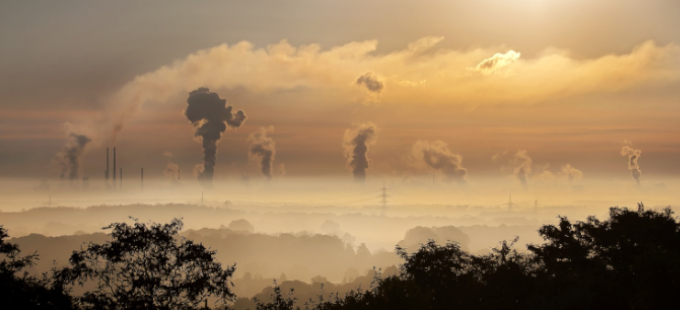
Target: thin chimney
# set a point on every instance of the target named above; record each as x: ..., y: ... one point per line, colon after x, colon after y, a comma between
x: 114, y: 167
x: 106, y: 173
x: 142, y: 178
x: 121, y: 178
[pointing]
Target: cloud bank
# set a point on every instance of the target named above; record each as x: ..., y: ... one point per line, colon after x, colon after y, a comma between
x: 410, y: 76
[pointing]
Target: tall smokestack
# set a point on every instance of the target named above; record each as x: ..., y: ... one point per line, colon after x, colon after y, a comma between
x: 121, y: 178
x: 142, y: 178
x: 106, y: 174
x: 114, y: 167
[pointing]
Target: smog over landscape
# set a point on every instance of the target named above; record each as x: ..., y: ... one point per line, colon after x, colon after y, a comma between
x: 322, y: 146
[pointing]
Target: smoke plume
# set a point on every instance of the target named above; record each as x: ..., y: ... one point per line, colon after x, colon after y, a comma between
x: 438, y: 156
x: 210, y: 115
x: 263, y: 149
x: 70, y: 155
x: 571, y: 173
x: 356, y: 143
x: 633, y: 156
x: 522, y: 167
x: 371, y: 82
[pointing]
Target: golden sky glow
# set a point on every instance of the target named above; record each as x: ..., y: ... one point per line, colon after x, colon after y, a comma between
x: 555, y: 87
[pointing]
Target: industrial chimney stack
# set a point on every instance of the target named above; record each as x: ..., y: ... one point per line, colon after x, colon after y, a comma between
x: 114, y: 167
x: 106, y: 173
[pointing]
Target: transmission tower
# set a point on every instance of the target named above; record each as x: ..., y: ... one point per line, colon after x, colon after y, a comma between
x: 536, y: 205
x: 510, y: 203
x: 384, y: 199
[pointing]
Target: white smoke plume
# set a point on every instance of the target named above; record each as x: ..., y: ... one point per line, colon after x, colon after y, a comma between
x: 570, y: 173
x: 633, y: 157
x: 522, y: 168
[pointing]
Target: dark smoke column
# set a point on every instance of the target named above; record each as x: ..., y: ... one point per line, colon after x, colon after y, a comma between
x: 356, y: 143
x: 263, y: 148
x: 210, y: 115
x: 70, y: 156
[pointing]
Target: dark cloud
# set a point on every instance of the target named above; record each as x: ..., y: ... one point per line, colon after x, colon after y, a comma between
x: 70, y: 155
x: 371, y: 82
x: 210, y: 115
x: 633, y: 157
x: 438, y: 156
x: 263, y: 148
x: 356, y: 143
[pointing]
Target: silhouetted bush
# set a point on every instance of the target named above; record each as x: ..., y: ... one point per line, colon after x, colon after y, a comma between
x: 630, y: 261
x: 147, y: 267
x: 24, y: 291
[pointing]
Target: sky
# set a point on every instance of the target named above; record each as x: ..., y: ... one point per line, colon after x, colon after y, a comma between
x: 525, y: 90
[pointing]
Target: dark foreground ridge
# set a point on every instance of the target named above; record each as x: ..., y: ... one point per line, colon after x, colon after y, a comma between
x: 629, y: 261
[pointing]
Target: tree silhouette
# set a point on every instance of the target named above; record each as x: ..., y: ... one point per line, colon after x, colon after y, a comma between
x: 24, y: 291
x: 278, y: 301
x: 147, y: 267
x: 629, y: 261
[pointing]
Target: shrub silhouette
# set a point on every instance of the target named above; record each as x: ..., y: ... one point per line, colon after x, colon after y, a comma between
x: 147, y: 267
x: 278, y: 301
x: 630, y: 261
x: 25, y: 292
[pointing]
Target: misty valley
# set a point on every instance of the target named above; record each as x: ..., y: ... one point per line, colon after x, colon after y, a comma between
x: 339, y: 154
